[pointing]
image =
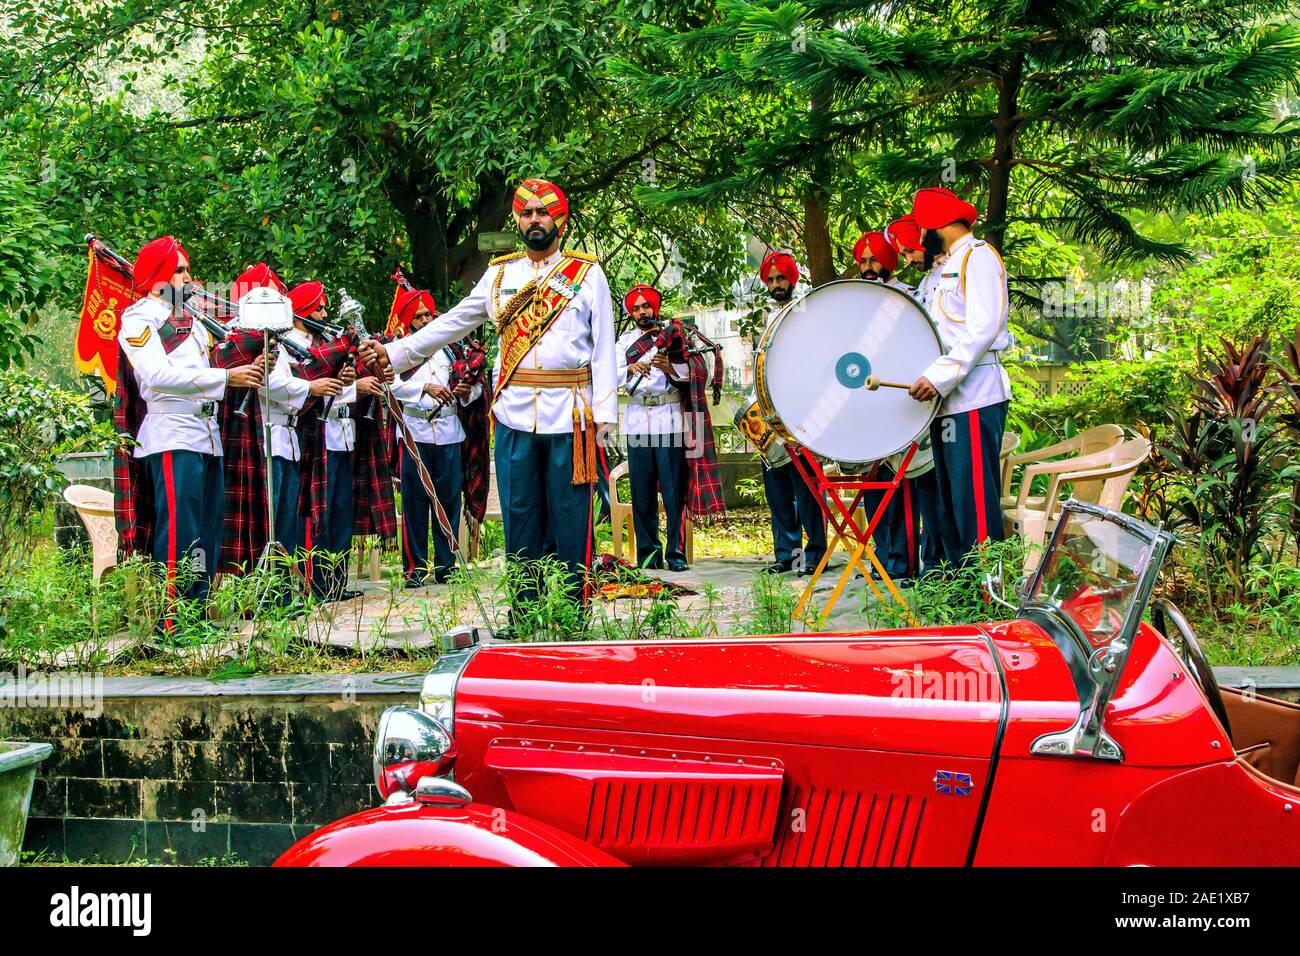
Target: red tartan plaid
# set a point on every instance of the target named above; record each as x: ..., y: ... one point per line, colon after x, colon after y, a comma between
x: 329, y: 359
x: 372, y: 479
x: 703, y: 477
x: 470, y: 365
x: 245, y: 530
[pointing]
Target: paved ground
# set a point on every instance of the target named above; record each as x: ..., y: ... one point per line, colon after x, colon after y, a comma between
x: 387, y: 618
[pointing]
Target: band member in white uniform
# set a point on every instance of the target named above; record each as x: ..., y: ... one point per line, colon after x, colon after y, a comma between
x: 557, y: 378
x: 966, y: 295
x: 429, y: 408
x: 179, y: 439
x: 654, y: 427
x: 793, y: 505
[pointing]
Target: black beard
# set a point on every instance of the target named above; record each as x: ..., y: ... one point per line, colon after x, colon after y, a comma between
x: 175, y: 298
x: 645, y: 325
x: 932, y: 246
x: 782, y: 295
x: 538, y: 243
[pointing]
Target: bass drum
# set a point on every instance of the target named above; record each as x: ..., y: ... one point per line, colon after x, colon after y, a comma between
x: 921, y: 463
x: 811, y: 369
x: 750, y: 424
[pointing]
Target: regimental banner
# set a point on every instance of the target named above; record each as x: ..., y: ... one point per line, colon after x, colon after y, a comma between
x: 109, y: 291
x: 393, y: 327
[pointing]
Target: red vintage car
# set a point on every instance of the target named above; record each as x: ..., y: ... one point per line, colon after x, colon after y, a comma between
x: 1076, y: 733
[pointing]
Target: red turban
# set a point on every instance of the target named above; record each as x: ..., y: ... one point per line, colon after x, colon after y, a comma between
x: 255, y: 277
x: 783, y: 263
x: 880, y: 248
x: 936, y: 207
x: 156, y: 263
x: 904, y: 233
x: 650, y: 293
x: 306, y: 298
x: 551, y: 196
x: 408, y: 303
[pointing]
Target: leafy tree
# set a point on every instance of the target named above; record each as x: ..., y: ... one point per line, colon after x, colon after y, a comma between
x: 340, y: 142
x: 1064, y: 116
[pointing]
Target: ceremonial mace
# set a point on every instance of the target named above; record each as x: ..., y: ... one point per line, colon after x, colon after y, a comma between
x: 350, y: 312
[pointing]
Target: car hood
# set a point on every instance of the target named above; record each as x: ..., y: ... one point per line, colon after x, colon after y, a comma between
x: 934, y: 691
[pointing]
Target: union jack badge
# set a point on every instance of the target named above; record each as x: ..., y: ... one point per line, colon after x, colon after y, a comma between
x: 954, y: 783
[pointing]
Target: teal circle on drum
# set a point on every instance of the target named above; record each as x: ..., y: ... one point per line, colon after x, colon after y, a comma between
x: 852, y: 370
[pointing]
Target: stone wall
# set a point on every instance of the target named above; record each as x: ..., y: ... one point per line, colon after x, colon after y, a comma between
x: 181, y: 770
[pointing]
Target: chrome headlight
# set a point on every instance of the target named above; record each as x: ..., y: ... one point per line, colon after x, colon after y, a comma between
x: 409, y: 745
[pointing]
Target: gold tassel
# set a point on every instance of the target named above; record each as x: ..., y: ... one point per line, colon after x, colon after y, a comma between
x: 579, y: 465
x: 592, y: 462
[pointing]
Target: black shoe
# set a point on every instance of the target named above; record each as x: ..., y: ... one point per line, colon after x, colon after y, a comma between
x: 346, y: 596
x: 416, y: 582
x: 778, y: 567
x: 677, y: 564
x: 442, y: 577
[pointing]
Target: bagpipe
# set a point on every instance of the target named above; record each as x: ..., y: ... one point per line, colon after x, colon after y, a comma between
x: 674, y: 338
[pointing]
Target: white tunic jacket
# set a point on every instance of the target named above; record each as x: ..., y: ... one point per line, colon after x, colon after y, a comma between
x: 651, y: 419
x: 582, y: 335
x: 445, y: 430
x: 288, y: 395
x: 966, y: 295
x: 176, y: 386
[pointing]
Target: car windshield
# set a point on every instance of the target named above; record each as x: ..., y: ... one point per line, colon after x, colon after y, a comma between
x: 1097, y: 572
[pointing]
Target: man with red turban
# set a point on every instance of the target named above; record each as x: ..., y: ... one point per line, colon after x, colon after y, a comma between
x: 556, y: 381
x: 794, y: 507
x: 178, y: 454
x: 655, y: 430
x: 430, y: 408
x: 330, y: 535
x: 877, y: 260
x: 966, y: 295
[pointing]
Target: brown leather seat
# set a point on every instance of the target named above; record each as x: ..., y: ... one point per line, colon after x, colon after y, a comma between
x: 1265, y: 734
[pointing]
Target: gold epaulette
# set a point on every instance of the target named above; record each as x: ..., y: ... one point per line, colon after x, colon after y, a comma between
x: 506, y: 258
x: 584, y: 256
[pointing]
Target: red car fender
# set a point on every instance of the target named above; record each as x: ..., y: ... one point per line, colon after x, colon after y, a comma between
x: 415, y: 834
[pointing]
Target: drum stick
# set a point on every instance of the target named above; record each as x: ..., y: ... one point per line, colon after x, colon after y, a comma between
x: 874, y: 382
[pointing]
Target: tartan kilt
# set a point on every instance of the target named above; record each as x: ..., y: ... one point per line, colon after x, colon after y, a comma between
x: 372, y: 478
x: 133, y: 508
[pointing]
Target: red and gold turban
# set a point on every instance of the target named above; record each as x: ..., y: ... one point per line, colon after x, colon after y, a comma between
x: 550, y: 195
x: 783, y: 263
x: 255, y: 277
x: 408, y: 303
x: 880, y: 248
x: 904, y: 233
x: 649, y: 292
x: 306, y: 298
x: 156, y: 263
x: 936, y: 207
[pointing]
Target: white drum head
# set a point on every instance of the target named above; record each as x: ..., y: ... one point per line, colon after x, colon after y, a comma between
x: 814, y: 363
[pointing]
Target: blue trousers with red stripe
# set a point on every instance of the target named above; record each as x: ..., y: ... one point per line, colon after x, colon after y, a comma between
x: 330, y: 574
x: 794, y: 508
x: 542, y: 510
x: 189, y: 495
x: 967, y: 448
x: 656, y: 465
x: 443, y: 463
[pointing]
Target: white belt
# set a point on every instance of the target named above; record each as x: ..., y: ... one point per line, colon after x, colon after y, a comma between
x: 289, y: 420
x: 651, y: 400
x: 990, y: 358
x: 176, y: 406
x: 447, y: 411
x: 340, y: 412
